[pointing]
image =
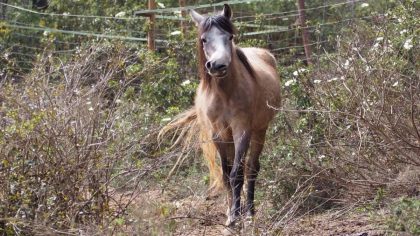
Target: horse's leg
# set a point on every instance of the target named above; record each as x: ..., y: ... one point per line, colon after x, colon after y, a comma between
x: 241, y: 139
x: 226, y: 152
x: 252, y: 168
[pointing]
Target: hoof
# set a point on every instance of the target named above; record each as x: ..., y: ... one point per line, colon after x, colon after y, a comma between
x: 234, y: 228
x: 232, y: 221
x: 228, y: 232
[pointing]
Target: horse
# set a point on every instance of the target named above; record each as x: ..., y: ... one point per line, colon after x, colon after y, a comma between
x: 233, y: 107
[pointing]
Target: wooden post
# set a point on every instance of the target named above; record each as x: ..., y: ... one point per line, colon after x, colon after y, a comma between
x: 151, y: 32
x: 3, y: 10
x: 305, y: 35
x: 183, y: 15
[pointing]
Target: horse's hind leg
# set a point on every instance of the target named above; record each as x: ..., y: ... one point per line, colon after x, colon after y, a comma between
x: 252, y: 167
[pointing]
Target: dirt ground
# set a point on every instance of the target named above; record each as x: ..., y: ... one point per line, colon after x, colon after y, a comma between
x: 198, y: 215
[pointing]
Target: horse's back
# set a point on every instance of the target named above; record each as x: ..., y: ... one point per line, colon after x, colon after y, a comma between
x: 268, y: 82
x: 265, y: 67
x: 261, y: 53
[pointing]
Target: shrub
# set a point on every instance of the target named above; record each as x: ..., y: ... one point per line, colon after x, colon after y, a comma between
x: 348, y: 126
x: 72, y: 135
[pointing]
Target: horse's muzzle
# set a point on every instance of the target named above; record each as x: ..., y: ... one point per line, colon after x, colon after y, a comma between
x: 216, y: 70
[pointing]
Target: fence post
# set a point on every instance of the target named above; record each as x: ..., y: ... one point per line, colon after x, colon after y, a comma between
x: 305, y: 35
x: 183, y: 15
x: 3, y: 10
x: 151, y: 32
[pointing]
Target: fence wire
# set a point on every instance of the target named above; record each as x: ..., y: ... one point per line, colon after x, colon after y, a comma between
x: 276, y: 29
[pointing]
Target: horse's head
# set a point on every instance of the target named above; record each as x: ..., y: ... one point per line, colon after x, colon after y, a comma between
x: 215, y: 35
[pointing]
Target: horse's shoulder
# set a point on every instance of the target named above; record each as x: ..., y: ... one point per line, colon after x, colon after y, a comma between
x: 264, y: 54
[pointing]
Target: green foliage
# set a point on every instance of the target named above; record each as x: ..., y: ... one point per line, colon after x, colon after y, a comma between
x: 326, y: 137
x: 405, y: 216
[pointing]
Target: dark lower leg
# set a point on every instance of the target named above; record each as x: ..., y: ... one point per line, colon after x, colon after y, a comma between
x: 237, y: 173
x: 236, y: 182
x: 252, y: 169
x: 250, y: 211
x: 226, y: 152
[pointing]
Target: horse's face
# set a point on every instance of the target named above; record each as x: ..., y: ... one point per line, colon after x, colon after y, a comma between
x: 217, y: 46
x: 216, y: 41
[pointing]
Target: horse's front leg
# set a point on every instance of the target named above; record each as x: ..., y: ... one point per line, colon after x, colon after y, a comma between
x: 225, y: 148
x: 241, y: 139
x: 252, y: 168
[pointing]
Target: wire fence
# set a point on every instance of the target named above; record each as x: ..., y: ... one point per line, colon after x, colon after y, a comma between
x: 276, y: 29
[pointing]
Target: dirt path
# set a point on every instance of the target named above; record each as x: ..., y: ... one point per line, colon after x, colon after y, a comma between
x: 170, y: 214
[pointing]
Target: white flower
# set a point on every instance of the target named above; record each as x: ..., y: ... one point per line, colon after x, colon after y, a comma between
x: 66, y: 13
x: 408, y: 44
x: 395, y: 84
x: 177, y: 32
x: 46, y: 33
x: 161, y: 5
x: 177, y: 204
x: 333, y: 79
x: 403, y: 31
x: 346, y: 64
x: 379, y: 38
x: 299, y: 71
x: 166, y: 119
x: 120, y: 14
x: 317, y: 81
x: 90, y: 109
x: 364, y: 5
x: 290, y: 82
x: 186, y: 82
x: 321, y: 157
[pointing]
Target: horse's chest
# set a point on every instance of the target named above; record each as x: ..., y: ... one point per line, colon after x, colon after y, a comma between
x: 215, y: 109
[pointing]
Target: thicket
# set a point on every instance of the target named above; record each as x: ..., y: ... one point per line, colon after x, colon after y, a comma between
x: 78, y: 132
x: 348, y: 132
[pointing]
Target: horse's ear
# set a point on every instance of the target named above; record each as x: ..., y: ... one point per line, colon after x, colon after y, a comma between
x: 197, y: 17
x: 227, y: 11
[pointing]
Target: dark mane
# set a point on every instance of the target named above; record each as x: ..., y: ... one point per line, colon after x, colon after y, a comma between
x: 220, y: 22
x: 245, y: 61
x: 225, y: 24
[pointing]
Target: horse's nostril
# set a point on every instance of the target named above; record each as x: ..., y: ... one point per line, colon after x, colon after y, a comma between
x: 219, y: 67
x: 208, y: 65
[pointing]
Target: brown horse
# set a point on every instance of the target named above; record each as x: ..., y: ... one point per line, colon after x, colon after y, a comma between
x: 231, y: 106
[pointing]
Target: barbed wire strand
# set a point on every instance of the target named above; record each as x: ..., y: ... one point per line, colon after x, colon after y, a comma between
x: 177, y: 9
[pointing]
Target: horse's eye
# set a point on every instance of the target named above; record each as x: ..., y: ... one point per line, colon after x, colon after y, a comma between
x: 203, y: 40
x: 231, y: 37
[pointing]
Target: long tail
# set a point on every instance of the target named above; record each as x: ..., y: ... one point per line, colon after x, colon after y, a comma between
x: 186, y: 129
